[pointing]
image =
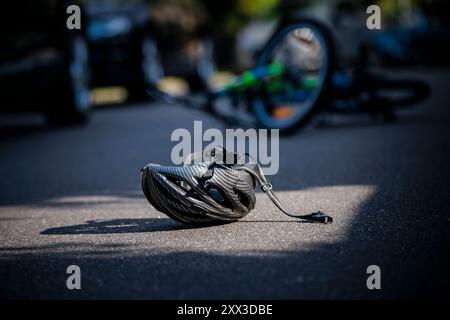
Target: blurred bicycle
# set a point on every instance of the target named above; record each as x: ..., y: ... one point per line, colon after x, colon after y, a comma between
x: 295, y: 77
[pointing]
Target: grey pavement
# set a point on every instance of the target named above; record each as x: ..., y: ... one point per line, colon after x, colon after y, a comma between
x: 72, y: 196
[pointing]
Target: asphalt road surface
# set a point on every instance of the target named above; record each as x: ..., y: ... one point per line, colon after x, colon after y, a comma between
x: 72, y: 197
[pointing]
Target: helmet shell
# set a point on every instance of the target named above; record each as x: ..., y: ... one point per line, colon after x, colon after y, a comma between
x: 207, y: 192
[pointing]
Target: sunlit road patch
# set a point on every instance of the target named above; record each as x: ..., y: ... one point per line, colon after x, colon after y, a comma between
x: 131, y: 222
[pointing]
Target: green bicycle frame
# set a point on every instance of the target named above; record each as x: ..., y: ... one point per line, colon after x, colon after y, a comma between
x: 253, y: 79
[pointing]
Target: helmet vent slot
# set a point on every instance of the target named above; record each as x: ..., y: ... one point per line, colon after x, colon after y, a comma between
x: 242, y: 198
x: 180, y: 183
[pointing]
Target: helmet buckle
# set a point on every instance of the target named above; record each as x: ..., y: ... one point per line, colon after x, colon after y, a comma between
x: 266, y: 187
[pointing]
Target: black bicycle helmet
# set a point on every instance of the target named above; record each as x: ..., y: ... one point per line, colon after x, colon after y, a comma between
x: 219, y: 189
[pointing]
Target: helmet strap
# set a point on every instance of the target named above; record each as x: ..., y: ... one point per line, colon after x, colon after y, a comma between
x: 266, y: 187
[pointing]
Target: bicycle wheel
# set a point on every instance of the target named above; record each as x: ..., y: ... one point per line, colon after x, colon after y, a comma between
x: 304, y: 49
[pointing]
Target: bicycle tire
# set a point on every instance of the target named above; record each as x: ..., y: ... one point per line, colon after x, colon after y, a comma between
x: 286, y: 26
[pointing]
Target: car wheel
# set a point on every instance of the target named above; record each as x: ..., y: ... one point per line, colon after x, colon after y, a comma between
x: 151, y: 69
x: 72, y: 101
x: 151, y: 63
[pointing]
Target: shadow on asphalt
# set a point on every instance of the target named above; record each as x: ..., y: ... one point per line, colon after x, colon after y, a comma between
x: 119, y: 226
x: 336, y: 122
x: 25, y: 128
x: 27, y: 124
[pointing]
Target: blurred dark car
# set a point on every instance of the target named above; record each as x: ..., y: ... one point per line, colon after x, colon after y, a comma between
x: 412, y: 46
x: 425, y: 42
x: 43, y: 65
x: 123, y: 50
